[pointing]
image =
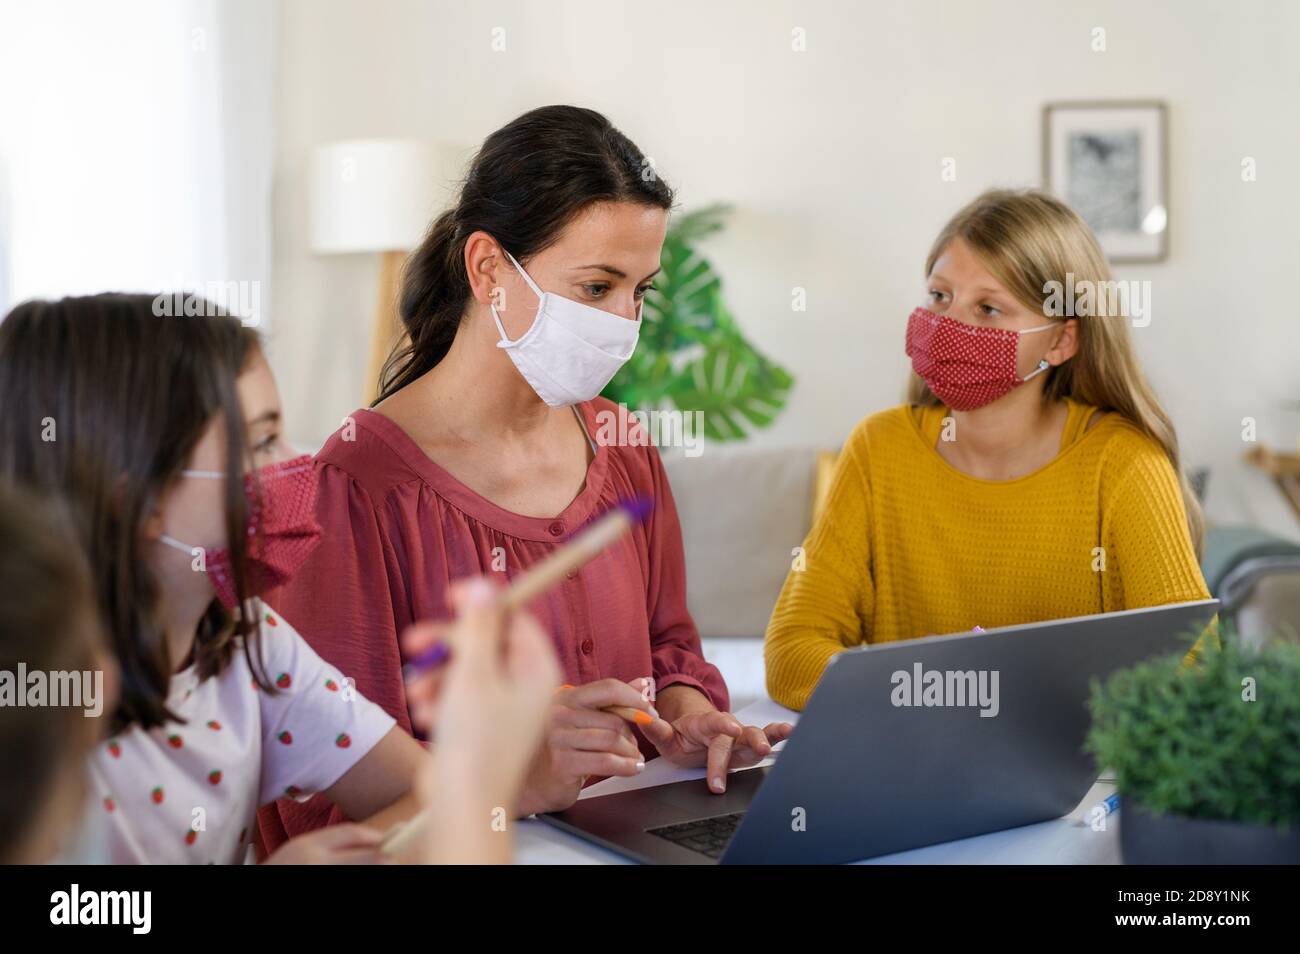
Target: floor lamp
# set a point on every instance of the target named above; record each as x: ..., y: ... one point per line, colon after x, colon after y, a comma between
x: 378, y: 195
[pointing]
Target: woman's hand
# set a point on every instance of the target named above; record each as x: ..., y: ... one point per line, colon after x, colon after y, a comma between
x: 698, y: 734
x: 347, y: 844
x: 581, y: 741
x: 489, y: 705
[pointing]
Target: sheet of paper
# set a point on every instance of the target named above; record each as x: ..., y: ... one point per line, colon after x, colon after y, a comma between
x: 662, y: 772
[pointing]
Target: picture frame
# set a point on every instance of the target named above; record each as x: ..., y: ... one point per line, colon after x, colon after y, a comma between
x: 1109, y: 160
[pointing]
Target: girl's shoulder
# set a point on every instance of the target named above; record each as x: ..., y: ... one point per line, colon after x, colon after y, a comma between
x: 1120, y: 447
x: 895, y: 429
x: 1107, y: 427
x: 278, y: 648
x: 282, y: 647
x: 888, y: 437
x: 1081, y: 419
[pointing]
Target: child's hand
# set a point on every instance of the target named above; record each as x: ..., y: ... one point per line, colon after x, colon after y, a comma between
x: 424, y: 691
x: 346, y: 844
x: 490, y: 712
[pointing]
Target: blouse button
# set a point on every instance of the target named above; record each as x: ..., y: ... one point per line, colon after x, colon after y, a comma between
x: 587, y: 647
x: 556, y: 528
x: 571, y: 575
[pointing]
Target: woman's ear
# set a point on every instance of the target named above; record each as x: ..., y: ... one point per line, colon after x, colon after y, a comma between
x: 1067, y: 343
x: 483, y: 262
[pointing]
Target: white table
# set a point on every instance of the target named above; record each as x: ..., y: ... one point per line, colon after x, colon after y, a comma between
x: 1069, y: 840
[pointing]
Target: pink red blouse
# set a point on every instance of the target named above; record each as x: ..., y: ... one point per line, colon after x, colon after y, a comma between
x: 399, y: 529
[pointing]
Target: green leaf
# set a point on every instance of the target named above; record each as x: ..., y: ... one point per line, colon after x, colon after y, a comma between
x: 1182, y: 739
x: 691, y: 353
x: 737, y: 389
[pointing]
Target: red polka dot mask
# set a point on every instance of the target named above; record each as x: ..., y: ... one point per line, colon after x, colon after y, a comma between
x: 963, y: 365
x: 282, y: 528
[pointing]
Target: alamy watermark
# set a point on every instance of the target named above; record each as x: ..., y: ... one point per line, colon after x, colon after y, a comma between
x: 946, y: 688
x: 1088, y: 299
x: 243, y: 300
x: 55, y: 689
x: 666, y: 427
x: 129, y: 908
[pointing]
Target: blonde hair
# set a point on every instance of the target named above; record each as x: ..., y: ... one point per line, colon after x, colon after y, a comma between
x: 1029, y: 239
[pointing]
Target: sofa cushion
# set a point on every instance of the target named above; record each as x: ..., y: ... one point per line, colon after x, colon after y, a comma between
x: 742, y: 511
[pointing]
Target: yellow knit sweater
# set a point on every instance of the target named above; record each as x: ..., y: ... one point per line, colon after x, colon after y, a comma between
x: 909, y: 546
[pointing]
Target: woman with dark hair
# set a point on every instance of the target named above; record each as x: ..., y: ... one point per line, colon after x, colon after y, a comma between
x: 480, y: 456
x: 163, y: 436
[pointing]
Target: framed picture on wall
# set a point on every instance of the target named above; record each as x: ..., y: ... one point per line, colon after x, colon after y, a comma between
x: 1110, y: 162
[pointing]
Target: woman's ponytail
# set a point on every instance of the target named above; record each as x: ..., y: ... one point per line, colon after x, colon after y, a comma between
x: 432, y: 300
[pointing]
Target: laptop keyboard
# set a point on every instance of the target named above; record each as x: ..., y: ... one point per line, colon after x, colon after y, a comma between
x: 708, y: 836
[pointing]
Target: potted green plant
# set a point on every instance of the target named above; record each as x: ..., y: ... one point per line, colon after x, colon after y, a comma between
x: 692, y: 355
x: 1206, y: 755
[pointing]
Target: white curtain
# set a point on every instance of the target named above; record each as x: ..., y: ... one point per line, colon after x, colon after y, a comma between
x: 136, y: 148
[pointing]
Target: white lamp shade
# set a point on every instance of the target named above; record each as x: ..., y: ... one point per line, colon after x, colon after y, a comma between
x: 377, y: 195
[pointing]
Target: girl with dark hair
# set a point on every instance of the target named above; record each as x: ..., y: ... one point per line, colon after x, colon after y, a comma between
x: 479, y: 457
x: 163, y: 435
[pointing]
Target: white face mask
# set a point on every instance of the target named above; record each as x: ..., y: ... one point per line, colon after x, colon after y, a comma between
x: 572, y: 350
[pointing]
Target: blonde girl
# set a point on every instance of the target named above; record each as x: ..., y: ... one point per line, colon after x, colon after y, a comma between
x: 1032, y: 474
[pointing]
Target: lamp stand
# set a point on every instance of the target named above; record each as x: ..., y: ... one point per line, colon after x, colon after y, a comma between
x: 387, y: 328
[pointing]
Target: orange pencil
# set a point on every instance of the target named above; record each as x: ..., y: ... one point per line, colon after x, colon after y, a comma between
x: 635, y: 716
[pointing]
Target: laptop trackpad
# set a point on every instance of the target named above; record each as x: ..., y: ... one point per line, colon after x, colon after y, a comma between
x: 695, y: 800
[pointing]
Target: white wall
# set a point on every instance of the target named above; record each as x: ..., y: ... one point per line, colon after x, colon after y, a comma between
x: 135, y: 146
x: 832, y: 158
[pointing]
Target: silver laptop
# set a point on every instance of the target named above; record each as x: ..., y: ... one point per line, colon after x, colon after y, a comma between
x: 905, y: 744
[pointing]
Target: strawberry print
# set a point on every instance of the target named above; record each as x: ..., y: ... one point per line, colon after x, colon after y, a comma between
x: 157, y: 795
x: 109, y: 804
x: 343, y: 740
x: 214, y: 725
x: 175, y: 741
x: 331, y: 685
x: 191, y: 837
x: 285, y: 738
x: 254, y: 684
x: 271, y: 621
x: 214, y: 777
x: 114, y: 748
x: 283, y: 680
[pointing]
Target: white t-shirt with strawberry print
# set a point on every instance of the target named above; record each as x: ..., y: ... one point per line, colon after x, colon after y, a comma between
x: 188, y: 793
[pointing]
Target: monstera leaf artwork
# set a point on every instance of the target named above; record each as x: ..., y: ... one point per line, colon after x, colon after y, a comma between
x: 692, y: 355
